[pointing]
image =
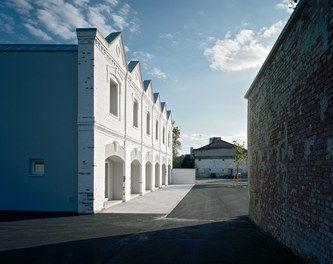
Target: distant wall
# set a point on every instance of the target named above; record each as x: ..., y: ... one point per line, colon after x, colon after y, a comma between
x: 290, y: 135
x: 183, y: 176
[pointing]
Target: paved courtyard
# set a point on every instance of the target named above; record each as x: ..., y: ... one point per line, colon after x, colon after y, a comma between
x: 209, y: 225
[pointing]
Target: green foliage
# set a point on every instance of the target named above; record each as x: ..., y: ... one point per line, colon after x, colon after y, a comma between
x: 176, y: 145
x: 240, y: 154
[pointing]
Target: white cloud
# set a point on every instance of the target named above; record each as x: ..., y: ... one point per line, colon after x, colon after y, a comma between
x: 268, y: 32
x: 124, y: 11
x: 23, y: 7
x: 7, y: 23
x: 142, y: 56
x: 37, y: 32
x: 119, y: 21
x: 285, y: 5
x: 156, y: 72
x: 98, y: 20
x: 61, y: 18
x: 81, y: 2
x: 246, y: 50
x: 112, y: 2
x: 52, y: 22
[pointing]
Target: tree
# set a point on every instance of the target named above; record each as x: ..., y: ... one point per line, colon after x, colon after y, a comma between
x: 176, y: 145
x: 240, y: 154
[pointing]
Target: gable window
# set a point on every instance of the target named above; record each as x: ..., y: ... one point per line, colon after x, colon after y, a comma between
x: 156, y: 130
x: 135, y: 113
x: 114, y: 98
x: 148, y: 124
x: 163, y: 135
x: 37, y: 167
x: 168, y: 139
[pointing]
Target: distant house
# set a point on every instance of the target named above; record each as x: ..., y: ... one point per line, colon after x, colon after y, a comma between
x: 217, y: 159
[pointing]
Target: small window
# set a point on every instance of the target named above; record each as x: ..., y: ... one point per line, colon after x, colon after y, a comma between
x: 114, y: 98
x: 37, y: 167
x: 148, y: 124
x: 156, y: 129
x: 136, y: 114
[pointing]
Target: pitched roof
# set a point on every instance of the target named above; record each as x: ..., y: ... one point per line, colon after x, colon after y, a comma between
x: 216, y: 145
x: 132, y: 65
x: 146, y: 84
x: 112, y: 36
x: 156, y: 95
x: 38, y: 47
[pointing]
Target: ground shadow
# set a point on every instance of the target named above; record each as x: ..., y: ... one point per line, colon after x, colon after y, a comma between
x: 234, y: 241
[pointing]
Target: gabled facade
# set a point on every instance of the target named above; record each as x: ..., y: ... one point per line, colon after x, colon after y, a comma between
x: 217, y: 159
x: 89, y: 136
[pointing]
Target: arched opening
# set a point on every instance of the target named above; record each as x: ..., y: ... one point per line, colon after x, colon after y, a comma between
x: 114, y: 172
x: 135, y: 177
x: 164, y: 174
x: 157, y: 175
x: 149, y: 179
x: 169, y: 174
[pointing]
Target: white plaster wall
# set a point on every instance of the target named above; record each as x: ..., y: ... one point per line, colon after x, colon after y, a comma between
x: 221, y: 167
x: 183, y: 176
x: 107, y: 129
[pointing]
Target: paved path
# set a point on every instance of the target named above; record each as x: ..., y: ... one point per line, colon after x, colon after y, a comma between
x: 161, y: 201
x: 208, y: 226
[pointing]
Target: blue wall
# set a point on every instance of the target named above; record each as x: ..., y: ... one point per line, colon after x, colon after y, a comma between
x: 38, y: 106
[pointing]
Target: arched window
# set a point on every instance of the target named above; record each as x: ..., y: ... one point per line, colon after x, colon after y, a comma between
x: 114, y: 98
x: 148, y: 124
x: 156, y: 130
x: 135, y: 113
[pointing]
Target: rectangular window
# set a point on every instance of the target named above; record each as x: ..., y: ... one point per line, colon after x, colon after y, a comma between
x: 114, y: 97
x: 148, y: 123
x: 136, y: 114
x: 37, y: 167
x: 163, y: 135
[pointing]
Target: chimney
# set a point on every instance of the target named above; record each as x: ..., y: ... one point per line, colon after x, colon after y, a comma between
x: 214, y: 139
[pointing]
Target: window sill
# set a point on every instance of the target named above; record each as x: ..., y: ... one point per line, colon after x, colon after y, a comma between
x: 36, y: 175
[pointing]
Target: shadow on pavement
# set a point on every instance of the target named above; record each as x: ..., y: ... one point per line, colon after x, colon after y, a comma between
x: 235, y: 241
x: 9, y: 216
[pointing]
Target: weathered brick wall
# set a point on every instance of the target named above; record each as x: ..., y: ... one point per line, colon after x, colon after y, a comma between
x: 290, y: 129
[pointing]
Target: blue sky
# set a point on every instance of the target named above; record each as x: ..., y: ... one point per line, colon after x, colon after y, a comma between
x: 201, y: 55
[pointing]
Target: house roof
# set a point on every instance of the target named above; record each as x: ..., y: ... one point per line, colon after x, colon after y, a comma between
x: 216, y: 145
x: 38, y: 47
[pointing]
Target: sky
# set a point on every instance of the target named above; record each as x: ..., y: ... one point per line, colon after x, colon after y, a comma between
x: 201, y: 55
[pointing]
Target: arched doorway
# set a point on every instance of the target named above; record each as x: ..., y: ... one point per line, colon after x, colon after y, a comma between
x: 135, y: 177
x: 157, y: 175
x: 114, y: 172
x: 164, y: 174
x: 149, y: 179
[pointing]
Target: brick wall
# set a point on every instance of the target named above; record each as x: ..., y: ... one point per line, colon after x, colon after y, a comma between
x: 290, y: 130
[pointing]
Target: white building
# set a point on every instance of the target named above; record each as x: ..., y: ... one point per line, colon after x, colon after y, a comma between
x: 217, y: 159
x: 80, y: 127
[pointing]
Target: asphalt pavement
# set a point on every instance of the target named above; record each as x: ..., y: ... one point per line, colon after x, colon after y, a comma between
x: 209, y: 225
